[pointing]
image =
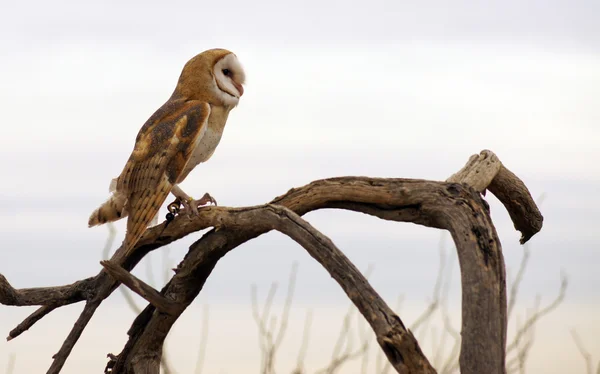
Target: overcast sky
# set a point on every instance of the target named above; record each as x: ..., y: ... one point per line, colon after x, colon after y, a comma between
x: 380, y: 88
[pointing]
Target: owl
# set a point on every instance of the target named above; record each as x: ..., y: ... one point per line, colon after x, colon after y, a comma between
x: 182, y: 133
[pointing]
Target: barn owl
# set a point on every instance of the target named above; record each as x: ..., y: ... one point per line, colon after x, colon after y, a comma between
x: 182, y: 133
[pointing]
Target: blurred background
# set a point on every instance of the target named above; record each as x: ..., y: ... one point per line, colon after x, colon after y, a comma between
x: 379, y: 88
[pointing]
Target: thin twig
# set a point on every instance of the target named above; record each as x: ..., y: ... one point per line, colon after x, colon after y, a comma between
x: 286, y: 307
x: 271, y: 336
x: 10, y: 366
x: 112, y: 233
x: 342, y: 337
x: 535, y: 317
x: 203, y: 342
x: 514, y: 289
x: 435, y: 298
x: 30, y: 321
x: 304, y: 345
x: 587, y: 357
x: 264, y: 335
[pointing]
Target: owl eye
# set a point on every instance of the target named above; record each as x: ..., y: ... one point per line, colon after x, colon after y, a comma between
x: 226, y: 72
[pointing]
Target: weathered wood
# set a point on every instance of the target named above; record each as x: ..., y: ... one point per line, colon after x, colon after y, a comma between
x: 479, y: 171
x: 436, y: 204
x: 60, y: 295
x: 485, y: 171
x: 455, y: 207
x: 141, y: 288
x: 519, y: 203
x: 30, y: 321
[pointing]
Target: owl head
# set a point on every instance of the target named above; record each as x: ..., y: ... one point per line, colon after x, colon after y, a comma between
x: 214, y: 76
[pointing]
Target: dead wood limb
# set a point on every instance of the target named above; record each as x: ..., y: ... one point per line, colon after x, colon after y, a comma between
x: 398, y: 342
x: 60, y: 295
x: 450, y: 206
x: 93, y: 290
x: 515, y: 196
x: 140, y: 287
x: 485, y: 171
x: 65, y: 350
x: 479, y: 171
x: 434, y: 204
x: 30, y: 321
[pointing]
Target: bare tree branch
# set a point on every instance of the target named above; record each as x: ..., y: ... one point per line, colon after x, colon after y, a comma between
x: 265, y: 336
x: 381, y: 365
x: 30, y: 321
x: 10, y: 366
x: 269, y: 339
x: 65, y: 350
x: 514, y: 289
x: 338, y: 359
x: 450, y: 206
x: 435, y: 298
x: 304, y: 344
x: 486, y: 171
x: 141, y: 288
x: 587, y: 357
x: 332, y: 259
x: 539, y: 314
x: 512, y: 297
x: 203, y: 342
x: 365, y: 338
x: 286, y: 309
x: 112, y: 234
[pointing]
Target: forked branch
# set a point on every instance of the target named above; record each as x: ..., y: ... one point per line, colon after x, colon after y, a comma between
x: 453, y: 206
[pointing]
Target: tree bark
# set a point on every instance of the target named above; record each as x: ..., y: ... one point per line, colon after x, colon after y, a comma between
x: 455, y: 205
x: 451, y: 206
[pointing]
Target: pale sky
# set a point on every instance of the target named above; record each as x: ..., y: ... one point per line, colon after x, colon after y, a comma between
x: 381, y: 88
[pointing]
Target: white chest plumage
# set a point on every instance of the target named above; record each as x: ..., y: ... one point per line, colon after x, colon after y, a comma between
x: 207, y: 141
x: 205, y: 147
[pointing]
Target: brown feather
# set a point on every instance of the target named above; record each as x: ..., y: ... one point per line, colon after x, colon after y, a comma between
x: 113, y: 209
x: 149, y: 179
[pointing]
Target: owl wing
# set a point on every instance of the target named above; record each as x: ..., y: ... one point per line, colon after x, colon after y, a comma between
x: 163, y: 147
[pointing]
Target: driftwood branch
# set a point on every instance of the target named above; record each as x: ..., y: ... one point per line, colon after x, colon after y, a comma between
x: 141, y: 288
x: 30, y: 321
x: 454, y: 205
x: 485, y: 171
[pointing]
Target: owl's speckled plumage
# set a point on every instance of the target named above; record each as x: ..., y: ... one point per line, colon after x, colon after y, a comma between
x: 182, y: 133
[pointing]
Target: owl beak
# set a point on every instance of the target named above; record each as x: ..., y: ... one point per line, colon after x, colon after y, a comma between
x: 239, y: 87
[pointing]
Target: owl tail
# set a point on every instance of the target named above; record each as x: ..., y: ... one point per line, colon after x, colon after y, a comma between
x: 111, y: 210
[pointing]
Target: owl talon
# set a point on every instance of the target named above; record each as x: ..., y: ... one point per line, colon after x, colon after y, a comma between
x: 174, y: 207
x: 207, y: 199
x: 190, y: 207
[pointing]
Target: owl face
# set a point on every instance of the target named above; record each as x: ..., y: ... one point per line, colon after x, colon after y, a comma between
x: 229, y: 77
x: 214, y: 76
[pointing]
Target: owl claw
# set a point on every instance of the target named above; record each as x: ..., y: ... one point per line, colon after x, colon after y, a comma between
x: 191, y: 205
x: 207, y: 199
